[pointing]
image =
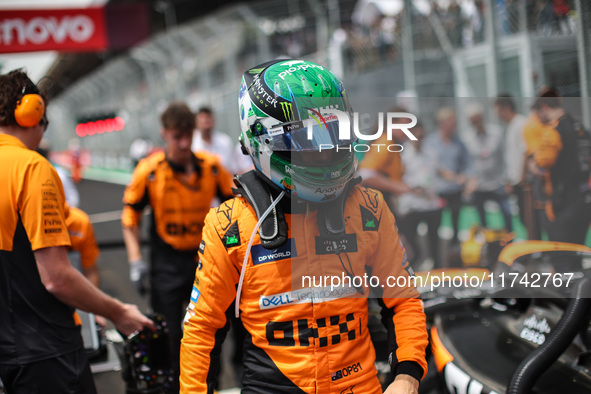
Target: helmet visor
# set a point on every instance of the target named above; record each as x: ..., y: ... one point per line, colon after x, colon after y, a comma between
x: 308, y: 135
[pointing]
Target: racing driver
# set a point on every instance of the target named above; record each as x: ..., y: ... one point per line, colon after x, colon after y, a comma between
x: 301, y: 216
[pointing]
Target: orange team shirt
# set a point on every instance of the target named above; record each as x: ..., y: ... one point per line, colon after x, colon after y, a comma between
x: 382, y: 161
x: 34, y: 325
x: 35, y: 197
x: 82, y: 236
x: 179, y: 205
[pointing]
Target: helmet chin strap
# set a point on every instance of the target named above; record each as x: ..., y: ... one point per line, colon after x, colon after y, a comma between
x: 250, y: 241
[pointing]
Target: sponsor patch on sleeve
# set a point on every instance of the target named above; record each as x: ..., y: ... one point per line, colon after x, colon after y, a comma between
x: 369, y: 221
x: 195, y: 293
x: 232, y: 236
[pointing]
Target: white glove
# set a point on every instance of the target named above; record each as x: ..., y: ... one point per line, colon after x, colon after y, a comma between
x: 138, y: 273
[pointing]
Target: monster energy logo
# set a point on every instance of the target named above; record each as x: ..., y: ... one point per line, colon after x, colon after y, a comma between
x: 287, y: 111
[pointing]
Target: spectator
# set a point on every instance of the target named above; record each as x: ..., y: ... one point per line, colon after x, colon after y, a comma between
x: 547, y: 20
x: 514, y: 149
x: 561, y: 11
x: 383, y: 170
x: 453, y: 161
x: 421, y: 204
x: 205, y: 138
x: 41, y: 347
x: 485, y: 145
x: 472, y: 14
x: 140, y: 148
x: 179, y: 186
x: 565, y: 164
x: 456, y: 23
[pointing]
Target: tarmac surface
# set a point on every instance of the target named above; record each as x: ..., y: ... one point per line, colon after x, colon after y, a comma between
x: 102, y: 202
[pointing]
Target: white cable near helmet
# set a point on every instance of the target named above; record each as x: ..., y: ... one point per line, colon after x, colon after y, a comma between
x: 247, y: 253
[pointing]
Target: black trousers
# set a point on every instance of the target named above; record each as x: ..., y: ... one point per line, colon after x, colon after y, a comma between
x: 498, y: 196
x: 66, y: 374
x: 454, y: 204
x: 408, y: 225
x: 172, y: 277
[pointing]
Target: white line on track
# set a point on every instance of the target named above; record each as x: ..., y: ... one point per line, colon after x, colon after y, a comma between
x: 105, y: 216
x: 111, y: 216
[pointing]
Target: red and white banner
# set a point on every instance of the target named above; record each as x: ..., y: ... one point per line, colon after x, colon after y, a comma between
x: 45, y: 30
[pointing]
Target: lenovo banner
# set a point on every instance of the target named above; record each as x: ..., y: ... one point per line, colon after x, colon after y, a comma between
x: 73, y: 30
x: 43, y: 30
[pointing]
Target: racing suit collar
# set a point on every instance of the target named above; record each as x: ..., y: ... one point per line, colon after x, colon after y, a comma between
x: 179, y: 168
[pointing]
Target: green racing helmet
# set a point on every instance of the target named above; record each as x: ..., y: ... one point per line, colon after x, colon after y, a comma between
x: 289, y: 132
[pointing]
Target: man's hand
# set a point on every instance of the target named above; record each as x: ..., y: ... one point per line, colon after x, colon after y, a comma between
x: 448, y: 175
x: 138, y: 273
x: 419, y: 191
x: 470, y: 187
x: 132, y: 320
x: 101, y: 321
x: 534, y: 169
x: 403, y: 384
x: 72, y: 288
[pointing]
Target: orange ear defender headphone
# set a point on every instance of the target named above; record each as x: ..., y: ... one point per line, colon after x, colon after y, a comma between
x: 29, y: 110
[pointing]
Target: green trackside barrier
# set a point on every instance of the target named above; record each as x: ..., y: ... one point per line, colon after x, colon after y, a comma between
x: 469, y: 217
x: 119, y: 177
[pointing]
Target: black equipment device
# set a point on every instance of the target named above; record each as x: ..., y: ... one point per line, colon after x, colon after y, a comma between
x: 147, y: 362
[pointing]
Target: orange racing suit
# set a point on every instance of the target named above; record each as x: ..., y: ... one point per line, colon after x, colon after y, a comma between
x: 179, y: 206
x: 307, y: 339
x: 82, y: 237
